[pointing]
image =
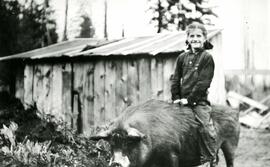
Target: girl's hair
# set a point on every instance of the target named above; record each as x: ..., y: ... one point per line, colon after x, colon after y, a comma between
x: 197, y: 25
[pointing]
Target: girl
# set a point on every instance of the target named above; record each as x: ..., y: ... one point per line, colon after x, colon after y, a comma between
x: 192, y: 77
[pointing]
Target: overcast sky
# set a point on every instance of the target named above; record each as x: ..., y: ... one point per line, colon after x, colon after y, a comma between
x: 130, y: 15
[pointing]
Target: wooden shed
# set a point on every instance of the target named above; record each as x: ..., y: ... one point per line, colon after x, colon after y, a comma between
x: 88, y: 88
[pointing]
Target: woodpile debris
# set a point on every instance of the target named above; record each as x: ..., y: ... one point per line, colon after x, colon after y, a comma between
x: 257, y: 115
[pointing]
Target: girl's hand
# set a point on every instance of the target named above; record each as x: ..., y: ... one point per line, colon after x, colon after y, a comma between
x: 183, y: 101
x: 177, y: 101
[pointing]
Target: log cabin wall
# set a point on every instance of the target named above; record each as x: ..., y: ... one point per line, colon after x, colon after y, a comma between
x: 48, y: 86
x: 102, y: 88
x: 105, y: 87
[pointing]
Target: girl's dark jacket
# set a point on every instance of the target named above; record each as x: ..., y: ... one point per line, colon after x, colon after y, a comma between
x: 192, y: 77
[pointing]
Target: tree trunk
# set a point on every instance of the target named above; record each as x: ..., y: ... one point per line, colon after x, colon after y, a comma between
x: 105, y: 20
x: 65, y: 26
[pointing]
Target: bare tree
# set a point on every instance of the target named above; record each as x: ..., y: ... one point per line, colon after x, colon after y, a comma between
x: 65, y: 26
x: 105, y: 19
x: 178, y: 13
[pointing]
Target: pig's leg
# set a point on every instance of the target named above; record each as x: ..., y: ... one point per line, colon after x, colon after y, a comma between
x: 228, y: 151
x: 174, y: 160
x: 214, y: 163
x: 162, y: 159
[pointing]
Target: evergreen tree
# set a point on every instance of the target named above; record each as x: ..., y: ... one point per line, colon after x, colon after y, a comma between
x: 9, y: 20
x: 177, y: 14
x: 25, y: 26
x: 87, y: 29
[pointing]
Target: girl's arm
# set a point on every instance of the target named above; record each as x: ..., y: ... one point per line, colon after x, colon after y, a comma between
x: 175, y: 81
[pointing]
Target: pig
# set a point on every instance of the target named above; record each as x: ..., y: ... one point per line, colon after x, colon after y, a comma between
x: 161, y: 134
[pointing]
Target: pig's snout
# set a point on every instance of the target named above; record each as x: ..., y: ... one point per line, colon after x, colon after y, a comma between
x: 115, y: 164
x: 119, y: 160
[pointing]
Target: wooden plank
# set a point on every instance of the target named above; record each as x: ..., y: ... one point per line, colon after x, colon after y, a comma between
x: 83, y: 110
x: 38, y: 86
x: 265, y: 118
x: 88, y: 101
x: 168, y: 68
x: 144, y: 71
x: 132, y: 83
x: 78, y: 94
x: 28, y: 85
x: 19, y: 83
x: 42, y: 87
x: 57, y: 92
x: 157, y: 78
x: 124, y: 81
x: 160, y: 79
x: 46, y: 95
x: 154, y: 80
x: 121, y: 86
x: 99, y: 92
x: 76, y: 113
x: 262, y: 102
x: 265, y: 121
x: 252, y: 119
x: 66, y: 92
x: 247, y: 100
x: 110, y: 102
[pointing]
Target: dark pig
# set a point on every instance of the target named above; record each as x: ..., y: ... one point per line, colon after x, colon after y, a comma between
x: 161, y: 134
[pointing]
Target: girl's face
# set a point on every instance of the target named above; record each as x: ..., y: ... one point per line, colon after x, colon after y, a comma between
x: 196, y: 38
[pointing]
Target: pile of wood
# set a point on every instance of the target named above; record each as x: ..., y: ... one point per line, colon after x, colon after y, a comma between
x: 257, y: 115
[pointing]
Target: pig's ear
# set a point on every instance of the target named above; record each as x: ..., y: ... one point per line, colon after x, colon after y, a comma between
x: 135, y: 133
x: 104, y: 134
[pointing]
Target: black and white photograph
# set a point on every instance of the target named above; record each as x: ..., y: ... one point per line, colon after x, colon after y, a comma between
x: 134, y: 83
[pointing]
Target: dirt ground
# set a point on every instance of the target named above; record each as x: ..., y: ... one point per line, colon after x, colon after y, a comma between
x: 253, y: 149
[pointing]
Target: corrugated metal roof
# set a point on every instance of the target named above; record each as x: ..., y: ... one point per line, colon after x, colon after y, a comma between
x: 152, y: 45
x: 58, y: 50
